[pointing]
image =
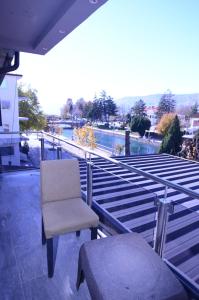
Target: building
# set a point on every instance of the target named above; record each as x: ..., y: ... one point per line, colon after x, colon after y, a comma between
x: 9, y: 121
x: 151, y: 114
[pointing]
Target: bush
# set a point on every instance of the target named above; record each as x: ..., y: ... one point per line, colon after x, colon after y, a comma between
x: 165, y: 123
x: 140, y: 124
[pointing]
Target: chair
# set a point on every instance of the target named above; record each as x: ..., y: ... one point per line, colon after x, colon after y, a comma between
x: 63, y: 209
x: 125, y: 267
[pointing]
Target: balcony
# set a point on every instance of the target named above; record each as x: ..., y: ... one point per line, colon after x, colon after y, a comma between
x: 125, y: 191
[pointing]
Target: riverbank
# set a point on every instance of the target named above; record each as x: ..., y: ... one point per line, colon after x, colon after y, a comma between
x: 132, y: 135
x: 72, y: 147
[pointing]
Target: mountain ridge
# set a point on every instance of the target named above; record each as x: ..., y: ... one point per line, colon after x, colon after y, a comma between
x: 152, y: 100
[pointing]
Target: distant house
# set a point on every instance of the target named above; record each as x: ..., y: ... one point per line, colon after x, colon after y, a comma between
x: 9, y: 121
x: 194, y: 120
x: 193, y: 124
x: 151, y: 114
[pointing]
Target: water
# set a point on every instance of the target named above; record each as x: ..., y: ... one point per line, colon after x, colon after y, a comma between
x: 110, y: 140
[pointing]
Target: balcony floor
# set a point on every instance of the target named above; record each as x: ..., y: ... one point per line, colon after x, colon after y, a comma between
x: 22, y: 257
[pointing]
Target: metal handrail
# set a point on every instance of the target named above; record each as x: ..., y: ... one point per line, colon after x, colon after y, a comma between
x: 165, y: 182
x: 150, y: 176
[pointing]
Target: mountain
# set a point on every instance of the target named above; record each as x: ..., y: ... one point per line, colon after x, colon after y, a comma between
x: 181, y: 99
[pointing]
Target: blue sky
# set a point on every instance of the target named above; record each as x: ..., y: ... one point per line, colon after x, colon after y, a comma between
x: 127, y: 47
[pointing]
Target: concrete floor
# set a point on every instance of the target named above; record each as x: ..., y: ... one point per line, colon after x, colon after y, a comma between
x: 23, y: 267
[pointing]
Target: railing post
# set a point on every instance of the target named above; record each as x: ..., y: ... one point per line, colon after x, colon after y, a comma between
x: 59, y: 152
x: 89, y: 157
x: 42, y: 148
x: 127, y: 143
x: 164, y: 207
x: 89, y: 195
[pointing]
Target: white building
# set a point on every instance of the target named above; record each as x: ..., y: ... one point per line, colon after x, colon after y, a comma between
x: 9, y: 121
x: 151, y: 114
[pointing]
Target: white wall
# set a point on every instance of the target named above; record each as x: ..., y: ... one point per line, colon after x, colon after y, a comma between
x: 10, y: 118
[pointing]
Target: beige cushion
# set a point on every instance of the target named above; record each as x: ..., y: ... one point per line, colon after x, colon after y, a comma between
x: 67, y: 216
x: 60, y: 180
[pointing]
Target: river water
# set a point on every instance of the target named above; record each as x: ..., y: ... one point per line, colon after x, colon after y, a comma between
x: 110, y: 140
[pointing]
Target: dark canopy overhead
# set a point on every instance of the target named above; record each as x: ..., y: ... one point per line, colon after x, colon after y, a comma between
x: 37, y: 26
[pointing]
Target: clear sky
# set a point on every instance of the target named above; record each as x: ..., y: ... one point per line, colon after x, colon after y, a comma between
x: 127, y: 47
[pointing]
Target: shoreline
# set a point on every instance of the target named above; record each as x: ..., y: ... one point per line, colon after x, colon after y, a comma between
x: 132, y: 136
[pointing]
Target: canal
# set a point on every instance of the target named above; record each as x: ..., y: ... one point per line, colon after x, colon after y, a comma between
x: 112, y: 139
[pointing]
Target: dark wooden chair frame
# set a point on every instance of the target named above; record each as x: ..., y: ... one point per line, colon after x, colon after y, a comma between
x: 52, y: 247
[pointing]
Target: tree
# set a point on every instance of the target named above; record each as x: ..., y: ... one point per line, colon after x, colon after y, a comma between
x: 140, y: 124
x: 97, y: 110
x: 183, y: 109
x: 85, y: 136
x: 87, y: 111
x: 79, y: 107
x: 105, y: 106
x: 166, y: 105
x: 67, y: 109
x: 194, y: 109
x: 172, y: 141
x: 165, y: 123
x: 139, y: 108
x: 31, y: 109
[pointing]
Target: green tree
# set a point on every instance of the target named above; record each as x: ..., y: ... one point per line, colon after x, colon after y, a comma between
x: 87, y: 110
x: 140, y: 124
x: 194, y: 109
x: 172, y: 141
x: 166, y: 105
x: 139, y: 108
x: 31, y: 109
x: 106, y: 106
x: 97, y: 110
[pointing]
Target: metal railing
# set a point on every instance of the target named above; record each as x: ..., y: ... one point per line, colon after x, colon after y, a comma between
x: 164, y: 206
x: 155, y: 178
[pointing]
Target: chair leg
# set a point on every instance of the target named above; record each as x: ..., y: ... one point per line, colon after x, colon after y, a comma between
x: 78, y: 233
x: 43, y: 233
x: 50, y: 257
x: 80, y: 278
x: 93, y: 233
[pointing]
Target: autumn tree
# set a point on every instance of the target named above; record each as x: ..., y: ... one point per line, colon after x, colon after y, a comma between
x: 165, y: 123
x: 30, y: 108
x: 85, y: 136
x: 139, y: 108
x: 166, y: 104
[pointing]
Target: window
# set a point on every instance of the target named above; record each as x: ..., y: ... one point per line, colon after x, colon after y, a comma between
x: 6, y: 151
x: 5, y: 104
